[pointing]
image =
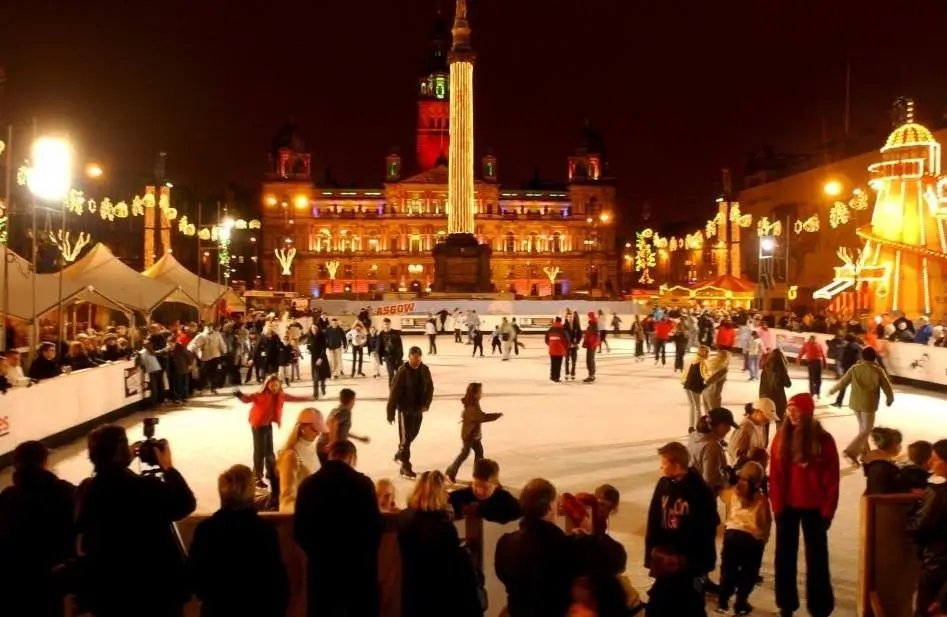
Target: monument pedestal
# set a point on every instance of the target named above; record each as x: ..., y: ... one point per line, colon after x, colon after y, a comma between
x: 462, y: 265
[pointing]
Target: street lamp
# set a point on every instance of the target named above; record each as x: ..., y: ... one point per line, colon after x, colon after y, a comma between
x: 48, y: 178
x: 94, y: 171
x: 833, y: 188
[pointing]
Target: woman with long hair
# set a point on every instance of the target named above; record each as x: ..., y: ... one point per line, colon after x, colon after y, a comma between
x: 297, y: 459
x: 573, y: 328
x: 470, y: 434
x: 774, y: 379
x: 267, y: 408
x: 437, y: 571
x: 804, y: 492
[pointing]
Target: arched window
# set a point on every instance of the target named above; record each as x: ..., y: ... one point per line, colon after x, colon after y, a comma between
x: 510, y: 243
x: 533, y: 242
x: 556, y: 242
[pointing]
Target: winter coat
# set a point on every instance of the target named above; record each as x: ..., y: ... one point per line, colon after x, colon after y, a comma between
x: 267, y: 407
x: 662, y: 329
x: 537, y: 565
x: 868, y: 380
x: 500, y: 507
x: 928, y: 525
x: 230, y: 546
x: 683, y: 520
x: 357, y: 338
x: 557, y: 341
x: 573, y: 330
x: 708, y: 458
x: 37, y: 534
x: 316, y: 345
x: 812, y: 486
x: 436, y: 569
x: 726, y: 336
x: 335, y: 337
x: 472, y: 418
x: 692, y: 377
x: 402, y: 399
x: 882, y: 475
x: 774, y: 379
x: 591, y: 339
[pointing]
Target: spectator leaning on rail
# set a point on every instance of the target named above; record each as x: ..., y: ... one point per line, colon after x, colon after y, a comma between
x: 928, y: 525
x: 132, y: 559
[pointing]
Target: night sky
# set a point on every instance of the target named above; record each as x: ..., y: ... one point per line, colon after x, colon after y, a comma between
x: 677, y: 89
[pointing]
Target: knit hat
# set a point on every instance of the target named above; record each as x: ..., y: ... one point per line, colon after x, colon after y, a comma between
x: 803, y: 402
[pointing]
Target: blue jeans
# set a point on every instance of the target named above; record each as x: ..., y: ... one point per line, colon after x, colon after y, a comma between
x: 753, y: 363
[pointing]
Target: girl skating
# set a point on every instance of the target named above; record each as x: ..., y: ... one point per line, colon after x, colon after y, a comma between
x: 470, y: 433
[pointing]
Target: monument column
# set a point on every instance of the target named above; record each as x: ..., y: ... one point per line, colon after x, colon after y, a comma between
x: 460, y: 192
x: 461, y: 263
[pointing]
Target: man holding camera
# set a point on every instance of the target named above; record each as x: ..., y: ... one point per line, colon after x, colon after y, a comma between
x: 132, y: 559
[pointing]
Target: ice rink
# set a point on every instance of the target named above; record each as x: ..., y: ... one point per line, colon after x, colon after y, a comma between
x: 577, y: 435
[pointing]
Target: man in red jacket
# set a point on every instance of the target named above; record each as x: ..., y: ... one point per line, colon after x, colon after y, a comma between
x: 662, y: 332
x: 804, y: 491
x: 557, y: 342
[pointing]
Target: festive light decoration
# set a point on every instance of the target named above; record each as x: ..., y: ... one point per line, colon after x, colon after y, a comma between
x: 285, y: 258
x: 659, y: 242
x: 551, y: 273
x: 68, y: 248
x: 710, y: 229
x: 838, y: 214
x: 766, y: 228
x: 332, y: 267
x: 415, y: 269
x: 810, y: 225
x: 694, y: 241
x: 460, y: 194
x: 792, y: 292
x: 644, y: 256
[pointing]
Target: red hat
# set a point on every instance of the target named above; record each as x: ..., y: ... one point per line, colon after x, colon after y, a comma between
x: 803, y: 402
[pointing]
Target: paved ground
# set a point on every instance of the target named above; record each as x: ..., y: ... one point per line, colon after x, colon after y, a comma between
x: 577, y: 435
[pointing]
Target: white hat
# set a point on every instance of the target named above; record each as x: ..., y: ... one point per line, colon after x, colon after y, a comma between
x: 767, y: 407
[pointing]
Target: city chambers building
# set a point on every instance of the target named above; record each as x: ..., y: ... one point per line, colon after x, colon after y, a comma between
x: 546, y: 239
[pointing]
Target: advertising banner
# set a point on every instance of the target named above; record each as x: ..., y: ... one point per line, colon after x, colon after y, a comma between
x: 132, y: 382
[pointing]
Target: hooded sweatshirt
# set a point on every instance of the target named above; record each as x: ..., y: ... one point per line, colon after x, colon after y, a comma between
x: 683, y: 519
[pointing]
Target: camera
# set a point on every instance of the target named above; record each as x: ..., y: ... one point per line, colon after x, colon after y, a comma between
x: 149, y: 446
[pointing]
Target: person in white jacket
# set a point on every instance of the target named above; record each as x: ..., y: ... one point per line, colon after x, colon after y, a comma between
x: 430, y: 329
x: 357, y: 338
x: 507, y: 338
x: 209, y: 347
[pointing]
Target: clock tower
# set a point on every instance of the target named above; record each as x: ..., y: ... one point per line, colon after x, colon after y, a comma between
x: 433, y: 137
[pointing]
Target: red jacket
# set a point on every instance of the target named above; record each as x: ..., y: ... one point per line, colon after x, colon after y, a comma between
x: 811, y: 487
x: 726, y: 336
x: 267, y: 407
x: 591, y: 338
x: 662, y: 329
x: 557, y: 341
x: 812, y: 351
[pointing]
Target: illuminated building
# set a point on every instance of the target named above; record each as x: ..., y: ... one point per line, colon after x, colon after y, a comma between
x: 380, y: 239
x: 900, y: 263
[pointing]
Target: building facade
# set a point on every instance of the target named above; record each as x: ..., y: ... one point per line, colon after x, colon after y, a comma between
x: 356, y: 241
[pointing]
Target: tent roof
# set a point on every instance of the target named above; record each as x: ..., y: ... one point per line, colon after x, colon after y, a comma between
x: 102, y: 270
x: 728, y: 282
x: 20, y: 289
x: 170, y: 270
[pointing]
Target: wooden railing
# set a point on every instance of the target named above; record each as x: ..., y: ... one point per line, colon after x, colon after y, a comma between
x: 888, y: 564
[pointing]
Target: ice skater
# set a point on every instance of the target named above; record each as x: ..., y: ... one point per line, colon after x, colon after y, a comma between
x: 412, y: 390
x: 470, y: 433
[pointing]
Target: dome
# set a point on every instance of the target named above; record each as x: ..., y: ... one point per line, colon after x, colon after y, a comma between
x: 289, y: 138
x: 909, y: 134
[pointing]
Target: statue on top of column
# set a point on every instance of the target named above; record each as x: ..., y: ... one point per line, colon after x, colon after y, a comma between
x: 461, y: 12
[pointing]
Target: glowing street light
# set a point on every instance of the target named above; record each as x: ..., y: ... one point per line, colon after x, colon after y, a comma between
x: 50, y: 174
x: 767, y: 243
x: 94, y: 171
x: 833, y: 188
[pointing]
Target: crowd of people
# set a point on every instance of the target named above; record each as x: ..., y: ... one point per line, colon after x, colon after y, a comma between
x: 111, y: 540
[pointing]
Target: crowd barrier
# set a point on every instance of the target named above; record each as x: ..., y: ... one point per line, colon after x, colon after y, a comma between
x: 921, y: 364
x: 888, y: 562
x: 62, y: 409
x: 479, y: 535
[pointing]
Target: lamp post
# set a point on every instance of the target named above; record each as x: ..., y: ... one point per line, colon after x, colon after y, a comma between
x: 48, y: 178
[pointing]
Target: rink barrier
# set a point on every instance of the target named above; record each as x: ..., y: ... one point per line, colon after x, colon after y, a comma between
x: 888, y: 562
x: 61, y: 410
x: 481, y: 537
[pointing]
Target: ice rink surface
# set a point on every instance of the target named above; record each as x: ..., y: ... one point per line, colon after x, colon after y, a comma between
x: 576, y: 435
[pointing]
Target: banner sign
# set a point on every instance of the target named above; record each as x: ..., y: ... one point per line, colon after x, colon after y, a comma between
x: 132, y: 382
x: 395, y: 309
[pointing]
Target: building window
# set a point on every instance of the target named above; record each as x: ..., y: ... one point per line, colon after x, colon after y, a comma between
x: 393, y: 272
x: 556, y: 242
x: 348, y: 271
x: 510, y: 243
x: 414, y: 244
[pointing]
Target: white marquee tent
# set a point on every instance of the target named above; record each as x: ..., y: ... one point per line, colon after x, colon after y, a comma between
x: 170, y: 270
x: 17, y: 289
x: 101, y: 269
